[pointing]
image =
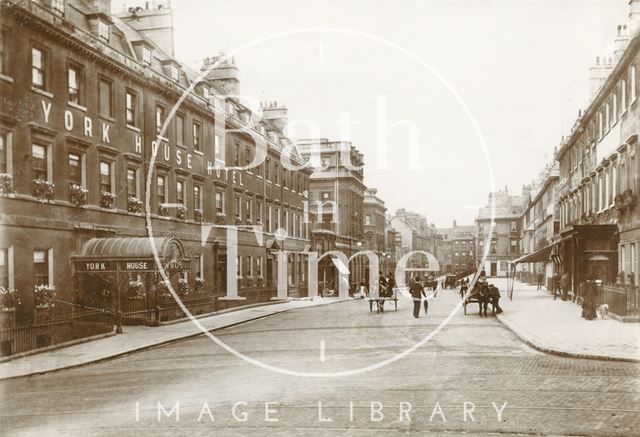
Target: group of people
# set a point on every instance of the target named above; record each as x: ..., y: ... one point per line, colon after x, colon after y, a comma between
x: 561, y: 285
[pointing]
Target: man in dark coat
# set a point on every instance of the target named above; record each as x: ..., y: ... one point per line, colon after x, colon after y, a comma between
x: 556, y: 285
x: 564, y: 284
x: 417, y: 293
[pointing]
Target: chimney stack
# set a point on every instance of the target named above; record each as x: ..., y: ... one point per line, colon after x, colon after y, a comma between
x: 276, y: 113
x: 225, y: 75
x: 621, y: 42
x: 153, y: 21
x: 598, y: 73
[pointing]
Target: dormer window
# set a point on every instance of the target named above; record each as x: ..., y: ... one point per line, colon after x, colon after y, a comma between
x: 175, y: 73
x: 146, y: 55
x: 103, y: 30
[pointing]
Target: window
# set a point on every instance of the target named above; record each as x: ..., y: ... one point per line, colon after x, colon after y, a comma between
x: 634, y: 84
x: 277, y: 218
x: 131, y: 103
x: 132, y: 182
x: 514, y: 246
x: 159, y: 118
x: 38, y: 68
x: 103, y: 30
x: 196, y: 137
x: 75, y: 169
x: 285, y: 177
x: 4, y: 268
x: 367, y: 219
x: 250, y: 266
x: 267, y: 223
x: 614, y: 108
x: 238, y: 207
x: 199, y: 262
x: 75, y: 83
x: 106, y: 98
x: 180, y: 192
x: 236, y: 156
x: 58, y: 7
x: 247, y: 157
x: 40, y: 165
x: 259, y: 212
x: 267, y: 169
x: 4, y: 156
x: 105, y: 177
x: 219, y: 203
x: 146, y: 55
x: 161, y: 186
x: 41, y: 267
x: 197, y: 197
x: 239, y: 267
x: 514, y: 227
x: 623, y: 95
x: 259, y: 266
x: 216, y: 145
x: 276, y: 174
x: 180, y: 129
x: 248, y: 210
x: 493, y: 247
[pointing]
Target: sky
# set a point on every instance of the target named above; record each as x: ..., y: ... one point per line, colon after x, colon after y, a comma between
x: 446, y: 99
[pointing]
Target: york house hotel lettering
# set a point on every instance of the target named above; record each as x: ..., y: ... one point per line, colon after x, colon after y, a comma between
x: 85, y: 94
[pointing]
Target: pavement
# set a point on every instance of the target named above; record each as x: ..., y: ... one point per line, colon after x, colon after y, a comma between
x: 556, y: 326
x: 136, y: 338
x: 508, y: 387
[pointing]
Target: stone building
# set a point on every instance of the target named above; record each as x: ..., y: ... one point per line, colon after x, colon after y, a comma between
x: 456, y: 249
x: 501, y: 245
x: 87, y: 97
x: 374, y: 226
x: 597, y: 192
x: 416, y: 235
x: 539, y: 223
x: 336, y: 206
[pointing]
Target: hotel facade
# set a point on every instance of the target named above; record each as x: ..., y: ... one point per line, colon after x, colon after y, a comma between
x: 90, y: 129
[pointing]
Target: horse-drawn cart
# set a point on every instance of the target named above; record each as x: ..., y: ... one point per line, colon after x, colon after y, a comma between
x: 383, y: 296
x: 483, y: 294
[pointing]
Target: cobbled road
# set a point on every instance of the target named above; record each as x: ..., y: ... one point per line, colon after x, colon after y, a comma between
x: 473, y: 377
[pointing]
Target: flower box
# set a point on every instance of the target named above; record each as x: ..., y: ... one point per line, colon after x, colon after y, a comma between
x: 77, y: 195
x: 198, y: 215
x: 107, y: 200
x: 220, y: 219
x: 44, y: 295
x: 163, y: 209
x: 199, y: 285
x: 134, y: 204
x: 183, y: 287
x: 9, y: 298
x: 6, y: 183
x: 42, y: 189
x: 135, y: 290
x: 181, y: 212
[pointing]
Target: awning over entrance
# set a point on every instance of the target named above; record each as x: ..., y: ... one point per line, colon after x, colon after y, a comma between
x: 131, y: 254
x: 542, y: 255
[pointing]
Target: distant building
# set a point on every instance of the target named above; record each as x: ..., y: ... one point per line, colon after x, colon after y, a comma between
x: 501, y: 245
x: 416, y: 234
x: 456, y: 248
x: 374, y: 226
x: 539, y: 223
x: 336, y: 205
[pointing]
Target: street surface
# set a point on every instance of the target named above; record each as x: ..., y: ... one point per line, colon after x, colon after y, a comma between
x: 473, y: 360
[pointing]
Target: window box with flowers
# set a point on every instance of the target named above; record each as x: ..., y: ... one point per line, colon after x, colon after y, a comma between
x: 134, y: 204
x: 107, y: 200
x: 43, y: 189
x: 44, y: 295
x: 163, y: 209
x: 199, y: 288
x: 250, y: 282
x: 77, y: 195
x: 198, y: 215
x: 238, y: 221
x: 9, y: 301
x: 183, y: 287
x: 135, y: 290
x: 260, y: 281
x: 163, y: 289
x: 220, y: 219
x: 6, y: 183
x: 181, y: 212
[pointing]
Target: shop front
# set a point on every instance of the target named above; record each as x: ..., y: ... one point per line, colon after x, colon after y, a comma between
x: 120, y: 275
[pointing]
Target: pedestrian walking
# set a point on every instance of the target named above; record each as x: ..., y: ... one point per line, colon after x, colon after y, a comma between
x: 417, y: 293
x: 540, y: 280
x: 362, y: 290
x: 555, y: 284
x: 564, y: 285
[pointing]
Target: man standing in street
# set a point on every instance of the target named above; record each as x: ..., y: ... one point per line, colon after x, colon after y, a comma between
x: 417, y: 292
x: 564, y: 284
x: 556, y: 285
x: 540, y: 280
